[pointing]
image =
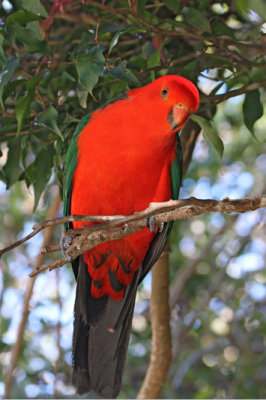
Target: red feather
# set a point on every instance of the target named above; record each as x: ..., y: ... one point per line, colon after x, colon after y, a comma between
x: 124, y: 160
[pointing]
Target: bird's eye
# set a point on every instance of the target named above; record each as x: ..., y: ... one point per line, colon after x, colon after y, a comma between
x: 164, y: 93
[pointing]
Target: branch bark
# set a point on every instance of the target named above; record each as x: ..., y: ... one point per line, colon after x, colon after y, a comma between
x: 119, y: 227
x: 161, y: 338
x: 28, y: 294
x: 233, y: 93
x: 116, y: 227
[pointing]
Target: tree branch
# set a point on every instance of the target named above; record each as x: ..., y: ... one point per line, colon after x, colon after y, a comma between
x: 116, y: 227
x: 233, y: 93
x: 161, y: 338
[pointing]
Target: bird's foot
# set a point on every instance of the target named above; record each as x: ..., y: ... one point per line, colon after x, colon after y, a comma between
x: 65, y: 243
x: 150, y: 222
x: 160, y: 227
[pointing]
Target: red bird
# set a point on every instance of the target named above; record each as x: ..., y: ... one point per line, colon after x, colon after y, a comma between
x: 122, y: 157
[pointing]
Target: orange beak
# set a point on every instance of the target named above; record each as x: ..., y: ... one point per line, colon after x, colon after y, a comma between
x: 179, y: 115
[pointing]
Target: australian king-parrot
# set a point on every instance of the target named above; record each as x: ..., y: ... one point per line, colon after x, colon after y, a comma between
x: 122, y: 157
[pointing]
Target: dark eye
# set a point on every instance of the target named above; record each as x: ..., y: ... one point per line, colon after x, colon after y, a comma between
x: 164, y: 93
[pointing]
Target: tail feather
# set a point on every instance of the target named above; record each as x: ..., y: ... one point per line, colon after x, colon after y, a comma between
x: 81, y: 378
x: 101, y: 335
x: 107, y: 357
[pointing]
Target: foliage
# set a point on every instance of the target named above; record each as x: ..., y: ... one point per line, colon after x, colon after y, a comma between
x: 60, y: 59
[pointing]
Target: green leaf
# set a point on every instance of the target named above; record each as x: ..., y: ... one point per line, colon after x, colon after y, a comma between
x: 210, y: 134
x: 34, y: 6
x: 89, y: 66
x: 257, y: 74
x: 237, y: 80
x: 141, y: 6
x: 39, y: 172
x: 43, y: 170
x: 116, y: 88
x: 196, y: 19
x: 154, y: 60
x: 5, y: 75
x: 23, y: 105
x: 68, y: 77
x: 117, y: 35
x: 149, y: 17
x: 22, y: 17
x: 190, y: 70
x: 24, y: 149
x: 12, y: 169
x: 147, y: 50
x: 203, y: 4
x: 122, y: 73
x: 114, y: 40
x: 30, y: 38
x: 219, y: 28
x: 2, y: 55
x: 252, y: 109
x: 138, y: 62
x: 49, y: 118
x: 172, y: 5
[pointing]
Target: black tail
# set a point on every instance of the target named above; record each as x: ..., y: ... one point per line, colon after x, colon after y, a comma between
x: 101, y: 334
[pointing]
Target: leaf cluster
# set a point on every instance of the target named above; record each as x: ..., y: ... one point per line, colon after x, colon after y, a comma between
x: 59, y: 59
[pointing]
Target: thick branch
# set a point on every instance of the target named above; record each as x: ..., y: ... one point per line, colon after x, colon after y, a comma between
x: 161, y: 339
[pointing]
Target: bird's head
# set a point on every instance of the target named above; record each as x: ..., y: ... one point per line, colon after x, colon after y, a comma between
x: 172, y: 98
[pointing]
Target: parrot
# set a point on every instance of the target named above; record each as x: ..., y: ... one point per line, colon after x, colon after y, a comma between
x: 123, y: 156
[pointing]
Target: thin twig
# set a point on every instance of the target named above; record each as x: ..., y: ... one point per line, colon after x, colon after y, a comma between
x: 25, y: 132
x: 50, y: 249
x: 234, y: 93
x: 52, y: 265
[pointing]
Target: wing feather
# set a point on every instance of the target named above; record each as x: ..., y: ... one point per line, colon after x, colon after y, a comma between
x: 158, y: 243
x: 70, y: 166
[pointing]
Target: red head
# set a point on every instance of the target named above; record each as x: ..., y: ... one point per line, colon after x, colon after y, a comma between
x: 176, y: 98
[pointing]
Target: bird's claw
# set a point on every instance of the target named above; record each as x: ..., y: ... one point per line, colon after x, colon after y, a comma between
x: 65, y: 243
x: 160, y: 227
x: 150, y: 222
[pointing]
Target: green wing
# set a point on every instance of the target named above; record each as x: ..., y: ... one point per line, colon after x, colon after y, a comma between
x: 177, y: 169
x: 158, y: 243
x: 70, y: 166
x: 176, y: 175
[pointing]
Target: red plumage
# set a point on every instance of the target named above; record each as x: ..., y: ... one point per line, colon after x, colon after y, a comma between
x: 124, y: 159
